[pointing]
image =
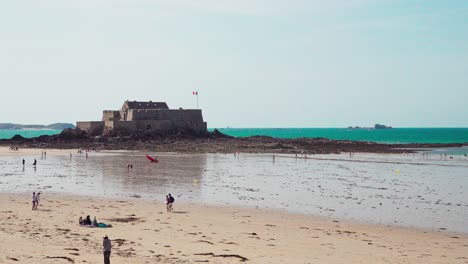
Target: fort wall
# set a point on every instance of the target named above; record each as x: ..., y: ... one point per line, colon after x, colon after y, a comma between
x: 89, y: 125
x: 158, y: 119
x: 194, y: 115
x: 125, y: 124
x: 110, y: 115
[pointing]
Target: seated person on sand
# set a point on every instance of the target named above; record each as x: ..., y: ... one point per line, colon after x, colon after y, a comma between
x: 87, y: 221
x: 100, y: 224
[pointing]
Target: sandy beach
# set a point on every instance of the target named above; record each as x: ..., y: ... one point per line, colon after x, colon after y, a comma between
x: 143, y: 232
x: 5, y: 151
x: 227, y: 212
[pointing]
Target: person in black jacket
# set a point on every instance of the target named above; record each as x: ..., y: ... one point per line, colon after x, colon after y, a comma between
x: 106, y: 249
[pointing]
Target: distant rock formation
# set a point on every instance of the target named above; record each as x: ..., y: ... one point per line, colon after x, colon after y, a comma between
x: 11, y: 126
x: 378, y: 126
x: 358, y: 127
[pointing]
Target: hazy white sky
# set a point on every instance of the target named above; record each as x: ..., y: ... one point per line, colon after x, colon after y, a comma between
x: 255, y: 63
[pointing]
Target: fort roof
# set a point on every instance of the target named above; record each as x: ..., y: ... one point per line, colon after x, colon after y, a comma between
x: 145, y: 105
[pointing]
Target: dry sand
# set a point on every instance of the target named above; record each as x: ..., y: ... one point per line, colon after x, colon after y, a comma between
x: 4, y: 151
x: 144, y: 233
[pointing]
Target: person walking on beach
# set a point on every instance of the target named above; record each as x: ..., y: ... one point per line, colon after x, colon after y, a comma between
x: 38, y: 199
x: 34, y: 201
x: 106, y: 244
x: 24, y: 162
x: 170, y: 202
x: 167, y: 203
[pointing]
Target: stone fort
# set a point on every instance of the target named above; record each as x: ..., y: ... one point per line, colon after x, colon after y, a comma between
x: 147, y: 116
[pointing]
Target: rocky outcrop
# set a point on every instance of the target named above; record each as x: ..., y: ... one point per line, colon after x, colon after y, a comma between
x: 378, y: 126
x: 210, y: 142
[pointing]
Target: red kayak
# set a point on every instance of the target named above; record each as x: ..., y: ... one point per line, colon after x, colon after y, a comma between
x: 152, y: 159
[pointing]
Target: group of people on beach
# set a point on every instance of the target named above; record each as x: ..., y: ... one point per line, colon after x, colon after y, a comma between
x: 24, y: 162
x: 13, y: 148
x: 94, y: 223
x: 35, y: 200
x: 81, y: 152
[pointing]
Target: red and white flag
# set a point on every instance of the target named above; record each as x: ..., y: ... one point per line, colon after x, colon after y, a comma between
x: 195, y: 93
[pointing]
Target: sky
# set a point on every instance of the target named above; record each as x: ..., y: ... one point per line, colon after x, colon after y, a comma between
x: 255, y: 63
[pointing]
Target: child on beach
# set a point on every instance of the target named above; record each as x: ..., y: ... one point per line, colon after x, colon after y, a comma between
x: 38, y: 199
x: 169, y: 202
x: 34, y: 201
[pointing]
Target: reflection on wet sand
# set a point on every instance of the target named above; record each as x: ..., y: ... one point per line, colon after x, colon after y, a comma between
x: 174, y: 173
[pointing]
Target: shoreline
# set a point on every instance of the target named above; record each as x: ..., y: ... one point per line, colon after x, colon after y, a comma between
x: 260, y: 236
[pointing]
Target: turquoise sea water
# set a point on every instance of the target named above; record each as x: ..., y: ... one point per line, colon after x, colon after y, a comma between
x: 7, y: 134
x: 395, y: 135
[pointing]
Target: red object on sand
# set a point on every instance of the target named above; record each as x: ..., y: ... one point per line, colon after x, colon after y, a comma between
x: 152, y: 159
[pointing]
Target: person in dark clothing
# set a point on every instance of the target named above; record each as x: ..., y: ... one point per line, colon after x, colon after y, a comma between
x: 88, y: 221
x: 171, y: 201
x: 106, y: 248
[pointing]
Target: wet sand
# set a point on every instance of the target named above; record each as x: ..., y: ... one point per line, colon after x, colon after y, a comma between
x: 144, y: 233
x: 385, y: 189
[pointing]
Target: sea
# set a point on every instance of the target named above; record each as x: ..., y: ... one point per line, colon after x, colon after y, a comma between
x: 27, y: 133
x: 391, y: 136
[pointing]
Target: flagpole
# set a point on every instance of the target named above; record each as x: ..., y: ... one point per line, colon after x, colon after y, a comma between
x: 197, y: 99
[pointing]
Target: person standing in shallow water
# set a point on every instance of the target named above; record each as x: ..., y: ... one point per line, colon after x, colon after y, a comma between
x: 106, y: 244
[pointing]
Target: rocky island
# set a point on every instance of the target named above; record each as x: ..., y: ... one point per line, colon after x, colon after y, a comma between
x: 187, y: 141
x: 153, y: 126
x: 376, y: 126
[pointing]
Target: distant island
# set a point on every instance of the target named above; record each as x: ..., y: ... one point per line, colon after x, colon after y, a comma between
x: 11, y: 126
x: 376, y: 126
